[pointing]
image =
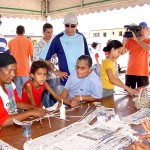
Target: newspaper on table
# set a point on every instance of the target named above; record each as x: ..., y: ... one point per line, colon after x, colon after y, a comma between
x: 112, y: 135
x: 105, y: 114
x: 6, y: 146
x: 137, y: 117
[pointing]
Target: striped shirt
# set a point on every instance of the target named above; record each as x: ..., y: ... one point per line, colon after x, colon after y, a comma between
x: 3, y: 45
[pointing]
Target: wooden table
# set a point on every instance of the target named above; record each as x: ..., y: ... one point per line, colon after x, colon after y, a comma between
x: 122, y: 104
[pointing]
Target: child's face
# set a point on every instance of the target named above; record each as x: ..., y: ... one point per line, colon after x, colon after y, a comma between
x: 116, y: 52
x: 40, y: 76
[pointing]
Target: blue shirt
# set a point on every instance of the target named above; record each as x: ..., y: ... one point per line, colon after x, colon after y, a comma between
x: 3, y: 45
x: 88, y: 86
x: 68, y: 50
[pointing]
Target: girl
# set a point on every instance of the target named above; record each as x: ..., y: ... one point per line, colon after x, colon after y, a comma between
x: 109, y: 75
x: 33, y: 88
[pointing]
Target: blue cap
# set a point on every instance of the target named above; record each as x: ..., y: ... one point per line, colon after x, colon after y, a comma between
x: 143, y: 24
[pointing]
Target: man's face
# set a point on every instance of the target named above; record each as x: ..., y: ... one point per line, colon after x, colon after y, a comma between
x: 48, y: 33
x: 82, y: 68
x: 143, y: 32
x: 7, y: 73
x: 70, y: 29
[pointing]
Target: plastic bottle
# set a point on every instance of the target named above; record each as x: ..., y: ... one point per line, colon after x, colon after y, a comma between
x: 62, y: 111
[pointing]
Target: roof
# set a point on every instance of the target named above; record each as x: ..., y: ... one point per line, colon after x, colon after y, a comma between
x: 58, y: 8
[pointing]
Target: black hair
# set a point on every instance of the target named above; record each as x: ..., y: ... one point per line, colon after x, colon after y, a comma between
x: 38, y: 64
x: 6, y: 59
x: 47, y: 25
x: 112, y: 44
x: 87, y: 58
x: 20, y: 29
x: 94, y: 44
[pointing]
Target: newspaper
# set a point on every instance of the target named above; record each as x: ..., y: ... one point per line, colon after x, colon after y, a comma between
x: 112, y: 135
x: 6, y: 146
x: 137, y: 117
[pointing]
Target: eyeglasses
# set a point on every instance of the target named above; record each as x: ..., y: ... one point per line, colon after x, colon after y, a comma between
x: 81, y: 68
x: 70, y: 25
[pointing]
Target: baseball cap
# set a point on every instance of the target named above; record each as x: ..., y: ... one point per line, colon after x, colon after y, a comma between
x: 70, y: 18
x: 143, y: 24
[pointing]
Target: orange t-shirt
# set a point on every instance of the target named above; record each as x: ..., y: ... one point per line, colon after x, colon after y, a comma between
x: 21, y: 48
x: 138, y: 58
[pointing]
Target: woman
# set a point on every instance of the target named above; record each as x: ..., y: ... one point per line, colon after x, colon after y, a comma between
x: 9, y: 100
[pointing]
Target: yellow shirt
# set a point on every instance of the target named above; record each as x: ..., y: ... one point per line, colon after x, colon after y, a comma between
x: 107, y: 64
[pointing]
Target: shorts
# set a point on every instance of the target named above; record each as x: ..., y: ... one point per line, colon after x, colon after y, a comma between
x: 133, y: 81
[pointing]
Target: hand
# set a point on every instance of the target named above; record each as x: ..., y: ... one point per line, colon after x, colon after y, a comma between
x: 131, y: 91
x: 75, y: 101
x: 139, y: 146
x: 62, y: 75
x: 134, y: 36
x: 146, y: 126
x: 38, y: 112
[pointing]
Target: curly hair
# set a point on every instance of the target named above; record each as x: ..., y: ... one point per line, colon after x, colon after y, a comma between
x: 38, y: 64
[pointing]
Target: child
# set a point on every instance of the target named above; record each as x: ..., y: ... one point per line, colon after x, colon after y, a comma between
x: 95, y: 58
x: 109, y: 75
x: 33, y: 89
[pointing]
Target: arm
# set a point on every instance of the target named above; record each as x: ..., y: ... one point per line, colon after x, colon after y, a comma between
x: 28, y: 89
x: 145, y: 46
x: 116, y: 81
x: 97, y: 62
x: 55, y: 95
x: 62, y: 75
x: 23, y: 116
x: 124, y: 46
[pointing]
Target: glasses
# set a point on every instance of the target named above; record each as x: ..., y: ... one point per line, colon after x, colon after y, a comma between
x: 81, y: 68
x: 70, y: 25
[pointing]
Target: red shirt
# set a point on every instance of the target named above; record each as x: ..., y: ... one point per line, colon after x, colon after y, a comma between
x: 3, y: 112
x: 37, y: 94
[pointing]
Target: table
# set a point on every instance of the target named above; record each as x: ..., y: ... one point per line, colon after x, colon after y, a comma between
x: 122, y: 104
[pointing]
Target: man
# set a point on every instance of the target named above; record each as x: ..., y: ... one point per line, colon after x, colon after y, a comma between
x: 138, y: 67
x: 68, y: 45
x: 3, y: 42
x: 9, y: 100
x: 47, y: 100
x: 21, y: 48
x: 83, y: 84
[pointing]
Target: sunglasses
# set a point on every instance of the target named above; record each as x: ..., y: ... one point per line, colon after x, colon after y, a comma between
x: 70, y: 25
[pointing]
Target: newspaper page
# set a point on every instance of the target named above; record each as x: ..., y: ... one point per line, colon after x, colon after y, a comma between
x: 137, y: 117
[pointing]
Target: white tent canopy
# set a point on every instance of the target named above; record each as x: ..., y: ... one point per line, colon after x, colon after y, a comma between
x: 58, y: 8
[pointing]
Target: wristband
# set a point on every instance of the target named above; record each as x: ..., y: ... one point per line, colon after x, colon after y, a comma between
x: 81, y: 99
x: 55, y: 70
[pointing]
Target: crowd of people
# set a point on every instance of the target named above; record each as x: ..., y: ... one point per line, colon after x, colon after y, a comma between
x: 63, y: 70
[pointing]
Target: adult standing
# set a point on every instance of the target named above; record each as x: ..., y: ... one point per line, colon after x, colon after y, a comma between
x: 138, y: 66
x: 52, y: 80
x: 3, y: 42
x: 68, y: 45
x: 21, y: 48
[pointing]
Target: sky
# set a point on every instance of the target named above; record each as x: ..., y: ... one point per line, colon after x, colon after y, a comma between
x: 101, y: 20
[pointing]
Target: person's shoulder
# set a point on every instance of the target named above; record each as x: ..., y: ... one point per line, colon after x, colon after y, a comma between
x: 28, y: 83
x: 58, y: 35
x: 73, y: 73
x: 41, y: 42
x: 93, y: 77
x: 2, y: 36
x: 79, y: 33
